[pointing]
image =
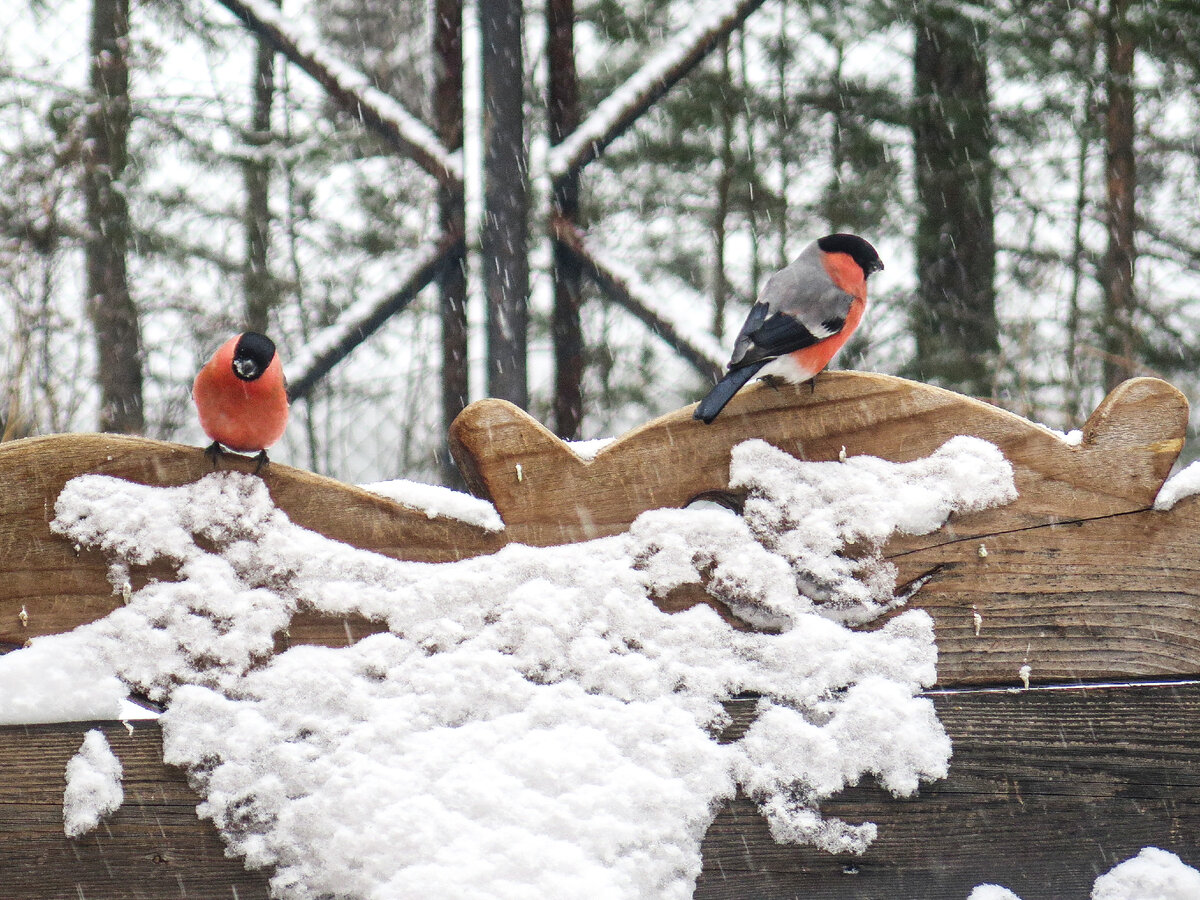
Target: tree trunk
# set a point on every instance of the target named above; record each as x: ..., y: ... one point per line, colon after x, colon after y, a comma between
x: 110, y: 307
x: 562, y: 105
x: 505, y: 197
x: 1121, y: 176
x: 954, y: 318
x: 452, y: 283
x: 257, y: 284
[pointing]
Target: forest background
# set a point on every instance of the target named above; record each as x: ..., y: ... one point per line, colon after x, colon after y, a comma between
x: 572, y: 205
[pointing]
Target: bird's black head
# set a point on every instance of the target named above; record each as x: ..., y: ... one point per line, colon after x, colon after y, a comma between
x: 252, y: 355
x: 856, y: 248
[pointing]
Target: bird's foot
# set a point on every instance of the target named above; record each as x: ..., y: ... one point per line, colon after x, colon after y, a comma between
x: 213, y: 451
x: 812, y: 385
x: 261, y: 461
x: 772, y: 381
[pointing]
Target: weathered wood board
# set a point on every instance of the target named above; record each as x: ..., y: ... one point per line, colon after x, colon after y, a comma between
x: 1080, y: 580
x: 1047, y: 789
x: 1073, y: 582
x: 60, y: 588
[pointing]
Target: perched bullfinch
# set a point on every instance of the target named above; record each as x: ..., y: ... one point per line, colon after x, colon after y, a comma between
x: 802, y: 318
x: 241, y: 397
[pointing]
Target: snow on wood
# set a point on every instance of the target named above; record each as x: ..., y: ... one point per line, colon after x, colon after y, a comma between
x: 380, y: 112
x: 531, y: 704
x: 364, y: 318
x: 662, y: 72
x: 93, y: 785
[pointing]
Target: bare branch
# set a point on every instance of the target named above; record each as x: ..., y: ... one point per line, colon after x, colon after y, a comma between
x: 653, y: 80
x: 363, y: 319
x: 382, y: 114
x: 698, y: 349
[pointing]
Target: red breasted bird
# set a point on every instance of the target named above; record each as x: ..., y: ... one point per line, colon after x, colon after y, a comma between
x: 241, y: 397
x: 802, y: 318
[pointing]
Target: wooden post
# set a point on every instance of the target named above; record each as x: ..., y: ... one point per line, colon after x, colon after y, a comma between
x: 452, y: 282
x: 506, y: 199
x: 562, y: 108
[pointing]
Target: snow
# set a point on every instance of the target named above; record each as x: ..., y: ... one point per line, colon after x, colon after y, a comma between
x: 862, y: 500
x: 678, y: 316
x: 599, y: 126
x: 1153, y: 874
x: 93, y: 785
x: 531, y: 724
x: 992, y: 892
x: 1183, y: 483
x: 587, y: 450
x: 357, y: 321
x: 410, y: 129
x: 435, y: 500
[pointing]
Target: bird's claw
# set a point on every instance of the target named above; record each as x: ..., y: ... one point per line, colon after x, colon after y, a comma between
x: 261, y: 461
x: 213, y: 452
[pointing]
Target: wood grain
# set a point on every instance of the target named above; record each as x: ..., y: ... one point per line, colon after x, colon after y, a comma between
x: 1080, y: 582
x: 1047, y: 790
x: 60, y: 588
x: 1129, y: 445
x: 153, y: 847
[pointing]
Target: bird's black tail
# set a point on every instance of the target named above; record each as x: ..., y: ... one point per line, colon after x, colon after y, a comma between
x: 723, y: 392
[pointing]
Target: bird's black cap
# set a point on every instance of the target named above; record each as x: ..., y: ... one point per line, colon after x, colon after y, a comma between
x: 252, y: 355
x: 855, y: 247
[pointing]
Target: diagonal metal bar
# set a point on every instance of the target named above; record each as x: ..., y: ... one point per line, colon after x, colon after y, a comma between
x: 362, y: 320
x: 644, y: 88
x: 379, y: 112
x: 705, y: 360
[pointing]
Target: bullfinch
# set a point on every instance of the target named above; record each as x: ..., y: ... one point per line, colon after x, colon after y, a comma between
x: 803, y: 316
x: 241, y: 397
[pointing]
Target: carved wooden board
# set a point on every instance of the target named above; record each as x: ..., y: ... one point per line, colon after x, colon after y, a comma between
x: 1073, y: 583
x: 1081, y: 581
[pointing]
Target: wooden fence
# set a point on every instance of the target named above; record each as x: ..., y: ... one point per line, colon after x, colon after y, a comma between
x: 1079, y: 579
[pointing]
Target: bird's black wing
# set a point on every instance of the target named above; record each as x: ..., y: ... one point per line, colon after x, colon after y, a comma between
x: 779, y: 334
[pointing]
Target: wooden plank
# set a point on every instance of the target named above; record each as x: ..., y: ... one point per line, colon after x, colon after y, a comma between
x: 1100, y: 599
x: 154, y: 846
x: 1047, y: 790
x: 60, y: 589
x: 1114, y: 594
x: 1129, y: 445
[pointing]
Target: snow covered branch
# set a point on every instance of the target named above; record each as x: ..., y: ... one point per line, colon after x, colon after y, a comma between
x: 621, y: 286
x: 351, y: 90
x: 661, y: 73
x: 363, y: 318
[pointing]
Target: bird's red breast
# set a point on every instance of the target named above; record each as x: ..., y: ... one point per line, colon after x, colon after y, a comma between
x: 244, y: 416
x: 848, y: 275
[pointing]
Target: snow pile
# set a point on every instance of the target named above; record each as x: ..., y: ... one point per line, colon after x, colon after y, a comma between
x: 587, y: 450
x: 435, y: 500
x: 1183, y: 483
x: 93, y: 785
x: 531, y: 724
x: 992, y: 892
x: 1153, y: 874
x: 805, y: 519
